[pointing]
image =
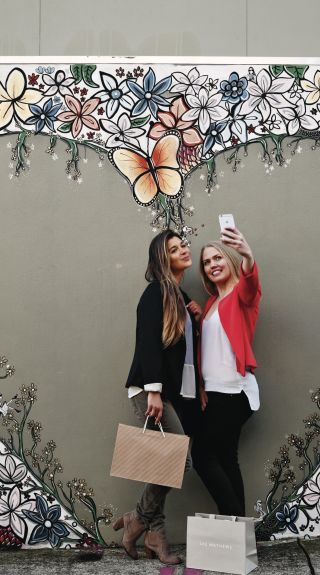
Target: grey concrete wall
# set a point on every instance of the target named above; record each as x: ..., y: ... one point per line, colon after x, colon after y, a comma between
x: 73, y: 261
x: 73, y: 257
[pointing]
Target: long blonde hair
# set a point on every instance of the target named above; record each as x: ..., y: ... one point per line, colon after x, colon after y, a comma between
x: 174, y: 312
x: 233, y: 259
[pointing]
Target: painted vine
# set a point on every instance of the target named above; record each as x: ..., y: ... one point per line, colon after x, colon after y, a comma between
x: 157, y: 124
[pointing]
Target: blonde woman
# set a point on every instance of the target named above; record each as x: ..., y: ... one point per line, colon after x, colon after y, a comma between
x: 228, y: 388
x: 162, y: 382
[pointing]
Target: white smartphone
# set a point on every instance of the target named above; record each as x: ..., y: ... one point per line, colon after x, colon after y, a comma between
x: 226, y: 221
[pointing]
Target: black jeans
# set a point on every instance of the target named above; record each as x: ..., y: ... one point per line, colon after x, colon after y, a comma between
x: 215, y: 450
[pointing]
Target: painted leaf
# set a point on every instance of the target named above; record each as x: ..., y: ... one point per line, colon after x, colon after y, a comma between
x: 87, y: 72
x: 53, y: 538
x: 20, y: 473
x: 42, y: 506
x: 76, y: 71
x: 33, y: 516
x: 138, y: 122
x: 39, y: 534
x: 293, y: 528
x: 18, y: 526
x: 297, y: 72
x: 10, y: 464
x: 54, y: 513
x: 163, y: 85
x: 276, y: 69
x: 4, y: 475
x: 14, y: 498
x: 66, y: 127
x: 60, y: 529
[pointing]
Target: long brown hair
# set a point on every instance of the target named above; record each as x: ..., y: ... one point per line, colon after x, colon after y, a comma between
x: 174, y: 312
x: 233, y: 259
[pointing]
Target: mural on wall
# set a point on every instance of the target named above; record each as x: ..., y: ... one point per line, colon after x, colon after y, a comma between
x: 292, y: 505
x: 158, y: 123
x: 37, y: 509
x: 155, y: 124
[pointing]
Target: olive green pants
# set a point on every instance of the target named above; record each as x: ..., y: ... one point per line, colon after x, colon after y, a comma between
x: 150, y: 507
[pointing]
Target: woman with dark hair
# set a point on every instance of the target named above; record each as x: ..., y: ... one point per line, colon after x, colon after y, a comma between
x: 228, y: 389
x: 162, y: 381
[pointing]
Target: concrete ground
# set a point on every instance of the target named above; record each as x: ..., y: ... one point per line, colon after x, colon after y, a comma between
x: 275, y: 558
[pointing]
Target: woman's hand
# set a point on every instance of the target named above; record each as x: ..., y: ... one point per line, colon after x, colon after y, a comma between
x: 155, y: 405
x: 203, y: 397
x: 195, y: 309
x: 236, y: 240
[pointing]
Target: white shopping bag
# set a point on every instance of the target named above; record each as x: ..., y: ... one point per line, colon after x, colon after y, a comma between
x: 221, y: 543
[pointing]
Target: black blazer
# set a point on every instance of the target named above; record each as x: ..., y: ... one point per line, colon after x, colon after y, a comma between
x: 152, y: 363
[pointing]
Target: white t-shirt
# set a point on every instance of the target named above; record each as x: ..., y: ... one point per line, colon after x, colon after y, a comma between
x: 218, y: 363
x: 188, y: 387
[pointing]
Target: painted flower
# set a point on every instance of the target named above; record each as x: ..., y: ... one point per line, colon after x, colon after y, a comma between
x: 267, y: 93
x: 122, y: 132
x: 287, y: 518
x: 12, y: 512
x: 48, y: 527
x: 189, y: 84
x: 10, y: 472
x: 16, y: 97
x: 298, y: 118
x: 3, y: 361
x: 33, y: 79
x: 80, y: 114
x: 214, y: 136
x: 274, y: 123
x: 115, y: 94
x: 237, y: 124
x: 150, y: 95
x: 43, y: 116
x: 171, y: 120
x: 120, y: 72
x: 234, y: 90
x: 313, y: 497
x: 5, y: 408
x: 138, y: 72
x: 44, y: 70
x: 59, y: 83
x: 312, y: 88
x: 296, y: 91
x: 205, y: 109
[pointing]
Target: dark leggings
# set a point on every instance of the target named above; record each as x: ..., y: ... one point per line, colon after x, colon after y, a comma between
x: 215, y: 450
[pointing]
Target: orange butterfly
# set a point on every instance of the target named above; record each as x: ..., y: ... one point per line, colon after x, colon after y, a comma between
x: 150, y: 175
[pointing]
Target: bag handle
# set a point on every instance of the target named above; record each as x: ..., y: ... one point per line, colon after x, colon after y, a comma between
x: 159, y: 424
x: 233, y: 518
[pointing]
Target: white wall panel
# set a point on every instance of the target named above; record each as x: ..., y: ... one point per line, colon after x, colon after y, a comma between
x: 283, y: 28
x: 105, y: 27
x: 19, y: 27
x: 207, y: 27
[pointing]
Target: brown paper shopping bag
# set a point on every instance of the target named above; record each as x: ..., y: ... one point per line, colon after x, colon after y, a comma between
x: 221, y: 543
x: 149, y: 456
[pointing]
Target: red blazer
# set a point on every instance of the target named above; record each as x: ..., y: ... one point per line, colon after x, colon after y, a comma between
x: 238, y: 312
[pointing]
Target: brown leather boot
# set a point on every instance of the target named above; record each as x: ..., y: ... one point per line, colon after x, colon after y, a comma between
x: 156, y: 543
x: 132, y: 529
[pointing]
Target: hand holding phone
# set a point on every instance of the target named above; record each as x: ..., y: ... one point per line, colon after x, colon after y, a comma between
x: 226, y: 221
x: 234, y: 239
